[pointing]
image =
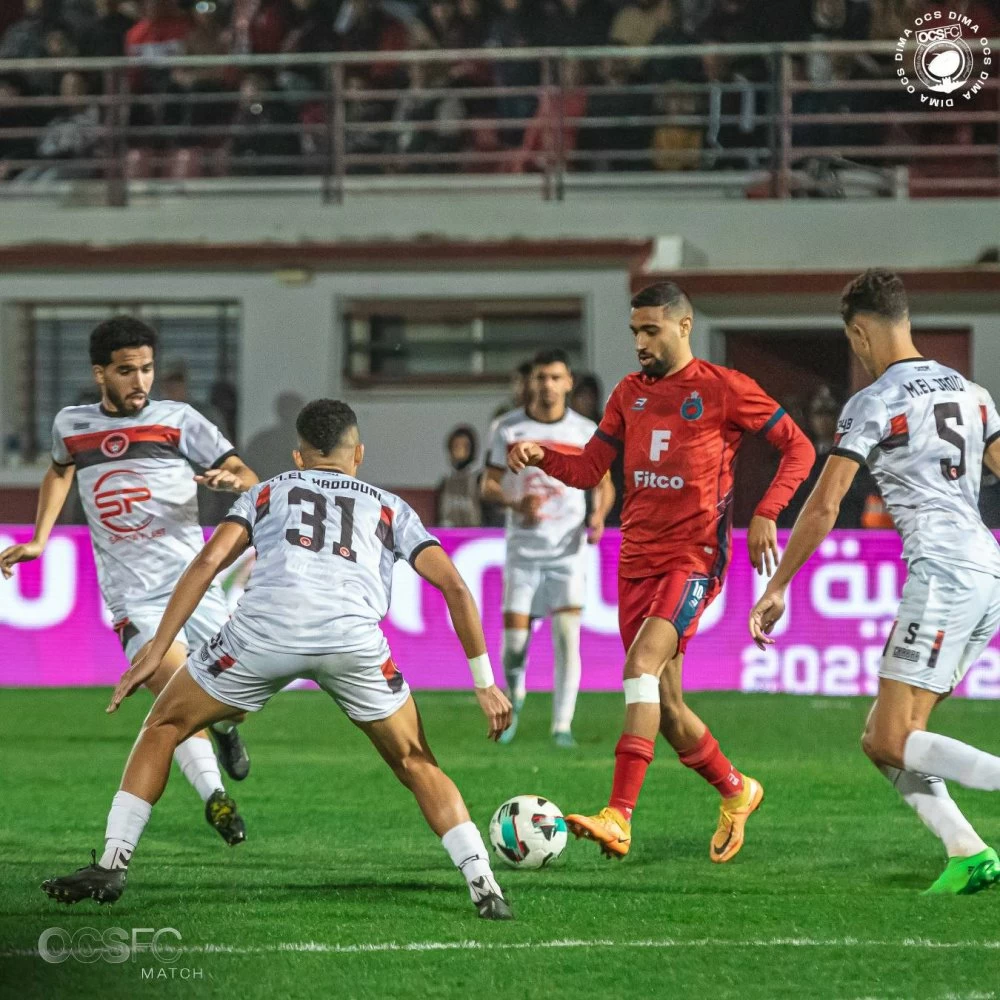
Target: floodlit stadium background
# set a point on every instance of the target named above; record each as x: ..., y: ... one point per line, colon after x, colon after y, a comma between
x: 399, y: 203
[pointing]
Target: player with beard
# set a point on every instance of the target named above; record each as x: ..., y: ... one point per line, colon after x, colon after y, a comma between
x: 132, y: 458
x: 679, y: 423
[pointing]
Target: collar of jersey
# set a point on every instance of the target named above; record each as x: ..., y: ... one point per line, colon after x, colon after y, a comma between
x: 906, y: 361
x: 123, y: 416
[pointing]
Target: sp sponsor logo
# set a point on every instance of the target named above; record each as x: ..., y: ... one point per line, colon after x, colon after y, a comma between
x: 943, y: 56
x: 659, y: 443
x: 645, y: 479
x: 117, y: 496
x: 692, y: 407
x: 640, y: 403
x: 115, y: 444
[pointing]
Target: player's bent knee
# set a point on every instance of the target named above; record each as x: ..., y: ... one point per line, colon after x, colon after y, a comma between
x: 642, y: 690
x: 884, y: 749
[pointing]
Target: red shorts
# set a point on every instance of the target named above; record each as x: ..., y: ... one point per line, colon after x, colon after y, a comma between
x: 679, y: 596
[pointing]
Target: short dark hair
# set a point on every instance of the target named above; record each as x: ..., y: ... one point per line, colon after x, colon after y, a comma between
x: 665, y: 294
x: 551, y: 356
x: 877, y: 291
x: 118, y: 332
x: 323, y: 423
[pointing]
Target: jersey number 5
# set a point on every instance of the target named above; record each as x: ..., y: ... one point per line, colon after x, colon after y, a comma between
x: 943, y: 412
x: 316, y: 519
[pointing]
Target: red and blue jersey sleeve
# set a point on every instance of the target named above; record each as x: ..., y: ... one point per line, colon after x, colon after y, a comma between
x: 585, y: 470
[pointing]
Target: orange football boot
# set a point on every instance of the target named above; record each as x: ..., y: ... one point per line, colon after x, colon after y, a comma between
x: 609, y: 828
x: 733, y: 816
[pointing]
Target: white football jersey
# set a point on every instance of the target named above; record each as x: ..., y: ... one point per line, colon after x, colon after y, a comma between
x: 137, y: 487
x: 560, y: 530
x: 326, y: 545
x: 922, y: 430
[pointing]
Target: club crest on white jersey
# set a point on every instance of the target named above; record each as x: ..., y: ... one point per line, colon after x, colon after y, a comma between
x: 136, y: 480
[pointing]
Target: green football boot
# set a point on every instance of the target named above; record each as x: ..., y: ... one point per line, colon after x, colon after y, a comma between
x: 964, y: 876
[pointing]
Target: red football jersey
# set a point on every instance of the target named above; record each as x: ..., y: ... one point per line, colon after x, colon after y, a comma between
x: 680, y: 434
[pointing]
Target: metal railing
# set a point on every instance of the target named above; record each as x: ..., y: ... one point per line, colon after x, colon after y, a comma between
x: 807, y: 120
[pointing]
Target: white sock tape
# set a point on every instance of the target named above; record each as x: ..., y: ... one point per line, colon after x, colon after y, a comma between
x: 644, y: 690
x: 482, y: 672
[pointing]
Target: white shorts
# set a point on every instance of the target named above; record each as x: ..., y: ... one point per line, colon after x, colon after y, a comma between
x: 364, y: 683
x: 139, y: 623
x: 538, y: 588
x: 946, y: 617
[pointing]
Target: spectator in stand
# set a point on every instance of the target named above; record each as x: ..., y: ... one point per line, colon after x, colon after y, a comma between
x: 25, y: 38
x: 162, y: 31
x: 513, y: 27
x: 416, y: 107
x: 541, y: 138
x: 637, y: 24
x: 206, y: 38
x: 258, y: 109
x: 604, y: 141
x: 311, y: 27
x: 575, y: 23
x: 13, y: 117
x: 71, y: 135
x: 104, y: 37
x: 259, y: 26
x: 458, y: 504
x: 363, y: 26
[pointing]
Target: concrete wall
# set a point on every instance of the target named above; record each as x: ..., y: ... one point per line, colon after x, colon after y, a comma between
x: 725, y: 233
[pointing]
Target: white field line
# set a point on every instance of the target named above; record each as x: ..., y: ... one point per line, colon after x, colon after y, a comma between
x: 323, y: 948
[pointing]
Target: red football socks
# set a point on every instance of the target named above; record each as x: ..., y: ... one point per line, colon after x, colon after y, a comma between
x: 633, y: 755
x: 713, y: 765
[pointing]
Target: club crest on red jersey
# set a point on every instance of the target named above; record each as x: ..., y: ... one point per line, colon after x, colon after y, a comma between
x: 692, y: 407
x: 115, y: 444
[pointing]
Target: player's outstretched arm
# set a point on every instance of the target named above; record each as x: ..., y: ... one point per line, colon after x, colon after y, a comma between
x: 51, y: 498
x: 233, y: 476
x: 583, y: 471
x: 228, y: 542
x: 813, y: 524
x: 433, y: 564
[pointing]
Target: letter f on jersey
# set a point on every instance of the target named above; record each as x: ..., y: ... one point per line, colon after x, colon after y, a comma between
x: 659, y: 443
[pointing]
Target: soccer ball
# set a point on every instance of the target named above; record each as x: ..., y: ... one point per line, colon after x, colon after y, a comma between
x: 528, y: 831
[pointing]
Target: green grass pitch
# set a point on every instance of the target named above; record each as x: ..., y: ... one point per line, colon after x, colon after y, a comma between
x: 341, y: 891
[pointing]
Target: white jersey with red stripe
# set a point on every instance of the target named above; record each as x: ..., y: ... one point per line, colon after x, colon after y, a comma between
x: 136, y: 480
x: 326, y: 545
x: 922, y: 429
x: 560, y: 528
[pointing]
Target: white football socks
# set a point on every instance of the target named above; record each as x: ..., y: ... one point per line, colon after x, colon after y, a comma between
x: 467, y: 851
x: 928, y: 796
x: 515, y: 651
x: 196, y: 759
x: 126, y: 821
x: 931, y: 753
x: 567, y: 668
